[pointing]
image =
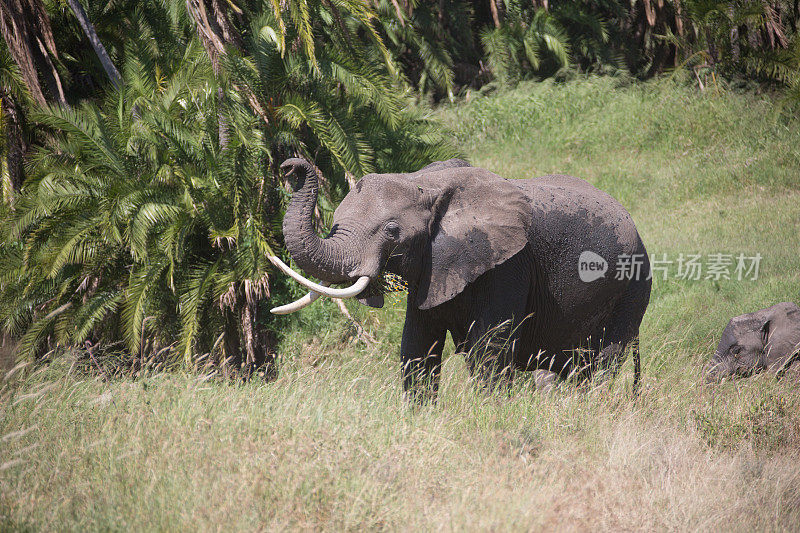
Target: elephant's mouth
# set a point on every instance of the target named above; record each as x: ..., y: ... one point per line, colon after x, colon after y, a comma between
x: 368, y: 290
x: 389, y: 282
x: 368, y: 287
x: 717, y: 371
x: 385, y: 283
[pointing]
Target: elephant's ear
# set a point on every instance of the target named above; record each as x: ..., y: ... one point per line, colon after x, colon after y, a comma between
x: 480, y: 221
x: 764, y: 331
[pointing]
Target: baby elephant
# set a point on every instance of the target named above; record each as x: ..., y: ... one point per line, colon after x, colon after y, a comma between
x: 768, y: 339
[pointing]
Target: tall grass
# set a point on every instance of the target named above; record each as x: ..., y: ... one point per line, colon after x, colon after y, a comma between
x: 330, y: 444
x: 658, y: 143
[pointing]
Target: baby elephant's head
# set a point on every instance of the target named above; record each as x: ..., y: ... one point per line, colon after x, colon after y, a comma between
x: 767, y: 339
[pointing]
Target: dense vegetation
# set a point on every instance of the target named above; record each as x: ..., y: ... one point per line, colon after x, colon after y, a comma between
x: 141, y: 140
x: 329, y: 445
x: 140, y: 143
x: 150, y: 202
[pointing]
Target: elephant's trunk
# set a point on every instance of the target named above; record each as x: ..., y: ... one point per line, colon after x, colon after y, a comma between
x: 718, y: 369
x: 712, y: 372
x: 326, y: 259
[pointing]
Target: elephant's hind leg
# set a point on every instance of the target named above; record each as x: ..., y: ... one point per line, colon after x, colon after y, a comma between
x: 624, y: 332
x: 610, y: 359
x: 545, y: 380
x: 637, y: 365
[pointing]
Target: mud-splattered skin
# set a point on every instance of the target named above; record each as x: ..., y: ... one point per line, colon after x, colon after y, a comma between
x: 478, y: 250
x: 766, y: 340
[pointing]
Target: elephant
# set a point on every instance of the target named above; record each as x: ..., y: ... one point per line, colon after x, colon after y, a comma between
x: 765, y: 340
x: 484, y: 258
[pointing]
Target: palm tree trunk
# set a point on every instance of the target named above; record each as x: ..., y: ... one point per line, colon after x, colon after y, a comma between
x: 734, y: 35
x: 650, y: 13
x: 15, y: 141
x: 26, y: 30
x: 679, y: 18
x: 259, y: 343
x: 216, y: 31
x: 268, y: 344
x: 495, y: 15
x: 99, y: 49
x: 213, y: 27
x: 248, y: 316
x: 231, y: 347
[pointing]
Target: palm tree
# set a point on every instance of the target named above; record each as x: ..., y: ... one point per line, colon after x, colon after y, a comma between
x: 530, y: 41
x: 94, y: 40
x: 129, y: 217
x: 420, y: 43
x: 151, y: 212
x: 26, y: 29
x: 14, y: 99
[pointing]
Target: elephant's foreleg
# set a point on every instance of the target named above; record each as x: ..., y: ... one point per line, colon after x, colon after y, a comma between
x: 490, y: 355
x: 421, y: 358
x: 500, y: 315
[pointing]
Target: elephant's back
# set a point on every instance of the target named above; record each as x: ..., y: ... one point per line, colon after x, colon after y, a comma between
x: 568, y: 206
x: 560, y: 180
x: 575, y: 222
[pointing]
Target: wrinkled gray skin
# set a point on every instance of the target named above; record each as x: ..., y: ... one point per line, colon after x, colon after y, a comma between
x: 766, y: 340
x: 479, y: 251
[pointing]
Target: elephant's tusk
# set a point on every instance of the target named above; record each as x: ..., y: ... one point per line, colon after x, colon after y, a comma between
x: 296, y: 305
x: 347, y: 292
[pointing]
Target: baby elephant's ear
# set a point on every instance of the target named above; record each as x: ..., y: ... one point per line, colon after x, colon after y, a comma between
x: 764, y: 331
x: 480, y: 221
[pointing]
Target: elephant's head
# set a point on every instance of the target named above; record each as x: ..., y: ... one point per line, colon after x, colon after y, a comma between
x: 767, y: 339
x: 439, y: 228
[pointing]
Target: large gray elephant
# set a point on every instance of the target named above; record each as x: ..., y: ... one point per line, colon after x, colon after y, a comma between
x: 766, y: 340
x: 523, y: 261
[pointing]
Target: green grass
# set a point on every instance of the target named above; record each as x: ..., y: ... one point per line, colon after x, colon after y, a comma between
x: 330, y: 445
x: 656, y: 144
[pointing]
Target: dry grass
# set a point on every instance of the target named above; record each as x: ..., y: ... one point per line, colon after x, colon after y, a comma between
x: 332, y: 447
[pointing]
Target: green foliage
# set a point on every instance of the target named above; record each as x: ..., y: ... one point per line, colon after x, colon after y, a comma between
x: 782, y: 65
x: 422, y: 46
x: 148, y: 214
x: 531, y: 41
x: 148, y: 211
x: 537, y: 42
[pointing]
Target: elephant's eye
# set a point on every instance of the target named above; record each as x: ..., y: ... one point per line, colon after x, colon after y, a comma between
x: 736, y: 349
x: 392, y: 230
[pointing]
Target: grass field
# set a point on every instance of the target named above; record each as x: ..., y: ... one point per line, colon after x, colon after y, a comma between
x: 330, y: 445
